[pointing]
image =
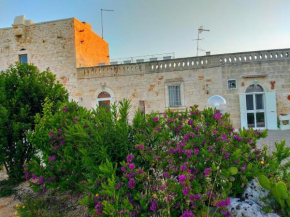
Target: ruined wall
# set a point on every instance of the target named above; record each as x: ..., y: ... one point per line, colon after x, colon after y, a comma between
x: 90, y: 48
x: 147, y: 81
x: 47, y: 44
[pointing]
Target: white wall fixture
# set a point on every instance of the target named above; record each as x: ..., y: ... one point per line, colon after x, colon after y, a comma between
x: 217, y: 102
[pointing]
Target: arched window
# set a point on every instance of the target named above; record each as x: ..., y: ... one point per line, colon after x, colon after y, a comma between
x: 254, y: 88
x: 255, y: 105
x: 104, y: 99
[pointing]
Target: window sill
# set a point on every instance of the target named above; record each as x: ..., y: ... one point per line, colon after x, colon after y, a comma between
x: 176, y: 108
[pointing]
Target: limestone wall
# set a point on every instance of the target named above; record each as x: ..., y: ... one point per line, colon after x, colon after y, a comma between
x: 90, y: 48
x: 48, y: 44
x: 147, y: 81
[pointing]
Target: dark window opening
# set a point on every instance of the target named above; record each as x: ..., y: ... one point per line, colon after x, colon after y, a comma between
x: 23, y: 58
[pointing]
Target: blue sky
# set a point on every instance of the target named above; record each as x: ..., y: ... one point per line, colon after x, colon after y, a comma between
x: 145, y: 27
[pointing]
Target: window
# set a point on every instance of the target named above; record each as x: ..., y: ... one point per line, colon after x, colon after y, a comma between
x: 174, y: 96
x: 23, y: 58
x: 232, y: 84
x: 104, y: 99
x: 254, y: 88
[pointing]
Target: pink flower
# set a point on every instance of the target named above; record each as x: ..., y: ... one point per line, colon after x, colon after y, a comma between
x: 217, y: 116
x: 223, y: 203
x: 132, y: 183
x: 123, y: 169
x: 51, y: 158
x: 207, y: 171
x: 185, y: 191
x: 130, y: 157
x: 187, y: 213
x: 131, y: 166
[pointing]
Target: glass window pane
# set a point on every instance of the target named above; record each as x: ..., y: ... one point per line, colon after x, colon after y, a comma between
x: 232, y: 84
x: 250, y: 102
x: 260, y: 118
x: 105, y: 103
x: 259, y: 101
x: 254, y: 88
x: 251, y: 120
x: 104, y: 95
x: 174, y: 96
x: 23, y: 59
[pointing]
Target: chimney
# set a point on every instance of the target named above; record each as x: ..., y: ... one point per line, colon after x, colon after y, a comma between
x: 20, y: 20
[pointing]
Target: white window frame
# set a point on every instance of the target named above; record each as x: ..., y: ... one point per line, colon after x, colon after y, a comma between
x: 232, y: 80
x: 104, y: 99
x: 174, y: 82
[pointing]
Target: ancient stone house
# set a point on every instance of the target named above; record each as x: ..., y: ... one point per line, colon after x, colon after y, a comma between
x: 61, y: 45
x: 255, y: 85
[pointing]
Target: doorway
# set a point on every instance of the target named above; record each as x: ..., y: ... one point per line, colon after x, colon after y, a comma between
x: 255, y: 102
x: 258, y: 108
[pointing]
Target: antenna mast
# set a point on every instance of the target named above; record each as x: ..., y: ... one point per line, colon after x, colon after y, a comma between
x: 200, y: 30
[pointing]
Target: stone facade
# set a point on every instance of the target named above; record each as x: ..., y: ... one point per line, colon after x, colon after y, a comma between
x: 61, y: 45
x: 73, y: 52
x: 199, y: 77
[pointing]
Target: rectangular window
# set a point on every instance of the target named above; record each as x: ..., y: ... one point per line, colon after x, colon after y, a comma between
x: 232, y: 84
x: 23, y: 58
x: 174, y: 96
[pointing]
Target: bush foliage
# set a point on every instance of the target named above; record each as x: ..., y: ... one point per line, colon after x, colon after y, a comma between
x: 23, y: 90
x: 187, y: 163
x: 73, y: 141
x: 182, y: 164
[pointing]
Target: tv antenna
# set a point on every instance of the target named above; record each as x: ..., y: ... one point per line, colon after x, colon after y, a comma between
x: 200, y: 30
x: 102, y: 20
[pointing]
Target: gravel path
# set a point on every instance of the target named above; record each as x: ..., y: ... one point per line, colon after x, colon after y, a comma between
x: 7, y: 204
x: 273, y: 136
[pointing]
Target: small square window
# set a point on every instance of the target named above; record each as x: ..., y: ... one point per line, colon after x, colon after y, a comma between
x: 232, y: 84
x: 174, y: 96
x: 23, y: 58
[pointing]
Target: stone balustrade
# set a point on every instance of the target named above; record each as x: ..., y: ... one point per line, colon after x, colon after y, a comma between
x: 181, y: 64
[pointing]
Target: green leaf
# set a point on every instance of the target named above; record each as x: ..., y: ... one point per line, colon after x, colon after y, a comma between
x: 281, y: 190
x: 233, y: 170
x: 288, y: 202
x: 232, y: 179
x: 213, y: 167
x: 265, y: 182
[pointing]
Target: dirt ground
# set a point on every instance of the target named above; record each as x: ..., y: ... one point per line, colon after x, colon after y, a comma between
x: 7, y: 204
x: 67, y: 204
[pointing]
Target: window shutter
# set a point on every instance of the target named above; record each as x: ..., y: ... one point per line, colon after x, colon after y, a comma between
x: 271, y: 110
x: 243, y: 111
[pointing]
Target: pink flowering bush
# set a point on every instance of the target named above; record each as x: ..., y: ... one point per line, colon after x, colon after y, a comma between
x: 184, y: 164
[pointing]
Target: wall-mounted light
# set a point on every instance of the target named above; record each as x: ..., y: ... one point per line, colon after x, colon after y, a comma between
x: 207, y: 88
x: 255, y: 82
x: 103, y: 84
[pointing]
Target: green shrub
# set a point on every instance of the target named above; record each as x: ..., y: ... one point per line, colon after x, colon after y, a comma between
x: 23, y: 90
x: 190, y: 161
x: 275, y: 177
x: 74, y: 141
